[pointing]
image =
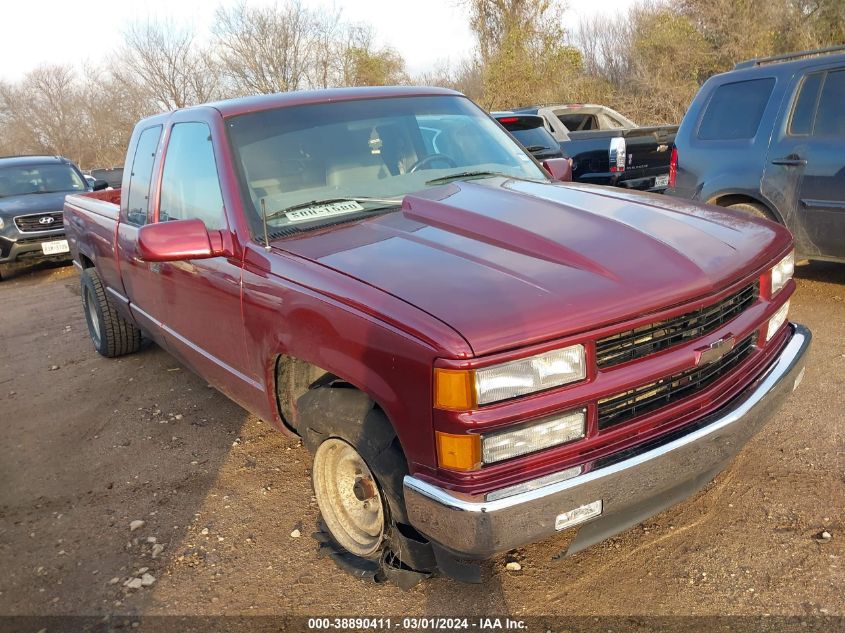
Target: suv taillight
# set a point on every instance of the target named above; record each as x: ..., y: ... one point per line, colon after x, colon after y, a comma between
x: 673, y: 167
x: 617, y: 154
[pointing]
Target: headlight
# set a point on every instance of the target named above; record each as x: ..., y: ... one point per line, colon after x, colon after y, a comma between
x: 2, y: 224
x: 537, y: 373
x: 470, y: 451
x: 778, y: 319
x: 461, y: 390
x: 548, y: 432
x: 782, y: 273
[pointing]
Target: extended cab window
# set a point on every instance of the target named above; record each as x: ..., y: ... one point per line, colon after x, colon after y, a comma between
x: 139, y: 180
x: 735, y: 110
x: 190, y: 187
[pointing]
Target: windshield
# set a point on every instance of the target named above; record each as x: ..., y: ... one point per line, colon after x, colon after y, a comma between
x: 314, y: 164
x: 50, y: 178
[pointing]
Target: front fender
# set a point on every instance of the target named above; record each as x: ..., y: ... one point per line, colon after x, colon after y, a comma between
x: 390, y: 366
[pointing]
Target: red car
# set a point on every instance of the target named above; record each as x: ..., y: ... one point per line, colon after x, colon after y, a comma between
x: 477, y: 354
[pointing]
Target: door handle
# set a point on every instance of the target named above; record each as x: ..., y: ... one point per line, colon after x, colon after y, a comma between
x: 790, y: 161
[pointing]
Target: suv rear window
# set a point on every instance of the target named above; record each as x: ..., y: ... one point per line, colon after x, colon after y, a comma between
x: 735, y: 110
x: 805, y: 106
x: 830, y: 119
x: 530, y: 135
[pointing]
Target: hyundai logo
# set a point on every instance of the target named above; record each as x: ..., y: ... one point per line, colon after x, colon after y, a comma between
x: 47, y: 219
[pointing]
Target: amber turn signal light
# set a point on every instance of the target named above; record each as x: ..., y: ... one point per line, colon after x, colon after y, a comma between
x: 458, y: 452
x: 454, y: 389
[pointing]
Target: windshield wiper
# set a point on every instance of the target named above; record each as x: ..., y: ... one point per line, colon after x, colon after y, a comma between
x: 463, y: 175
x: 536, y: 148
x: 314, y: 203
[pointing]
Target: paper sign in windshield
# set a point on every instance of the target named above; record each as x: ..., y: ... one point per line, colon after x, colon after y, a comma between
x: 320, y: 211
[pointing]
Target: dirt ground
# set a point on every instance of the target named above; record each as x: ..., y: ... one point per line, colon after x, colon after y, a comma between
x: 90, y: 445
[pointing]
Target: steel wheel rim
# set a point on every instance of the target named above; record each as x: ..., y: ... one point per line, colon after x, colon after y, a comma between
x: 348, y: 497
x: 91, y: 309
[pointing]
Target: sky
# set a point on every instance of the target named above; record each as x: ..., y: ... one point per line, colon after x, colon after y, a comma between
x: 425, y: 32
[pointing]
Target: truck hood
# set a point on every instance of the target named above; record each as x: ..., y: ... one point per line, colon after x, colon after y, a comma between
x: 11, y: 206
x: 508, y: 263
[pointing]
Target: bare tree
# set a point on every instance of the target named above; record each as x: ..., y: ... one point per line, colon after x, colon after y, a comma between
x: 326, y: 67
x: 166, y: 63
x: 272, y: 49
x: 605, y: 44
x: 365, y: 64
x: 110, y: 110
x: 43, y: 112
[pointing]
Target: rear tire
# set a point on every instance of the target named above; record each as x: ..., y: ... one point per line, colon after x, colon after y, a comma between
x: 753, y: 208
x: 111, y: 334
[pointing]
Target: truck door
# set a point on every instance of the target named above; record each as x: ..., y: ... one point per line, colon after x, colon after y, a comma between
x: 810, y: 144
x: 202, y: 298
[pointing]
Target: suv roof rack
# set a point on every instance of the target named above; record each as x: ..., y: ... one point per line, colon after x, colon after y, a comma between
x: 788, y: 56
x: 35, y: 156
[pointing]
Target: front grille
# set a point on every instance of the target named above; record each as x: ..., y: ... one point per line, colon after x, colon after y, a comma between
x: 630, y: 404
x: 30, y: 223
x: 654, y: 337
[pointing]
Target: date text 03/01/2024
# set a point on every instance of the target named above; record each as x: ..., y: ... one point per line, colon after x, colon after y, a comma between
x: 417, y: 623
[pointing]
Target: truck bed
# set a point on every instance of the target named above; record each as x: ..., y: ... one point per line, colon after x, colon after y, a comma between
x: 91, y: 228
x: 648, y: 151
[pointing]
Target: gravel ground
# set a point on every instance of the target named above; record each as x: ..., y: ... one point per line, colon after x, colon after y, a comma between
x: 94, y: 446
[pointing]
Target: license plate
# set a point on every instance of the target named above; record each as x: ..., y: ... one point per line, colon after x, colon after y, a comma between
x: 55, y: 247
x: 661, y: 182
x: 578, y: 515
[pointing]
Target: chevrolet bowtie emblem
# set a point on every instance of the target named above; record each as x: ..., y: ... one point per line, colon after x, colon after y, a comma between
x: 713, y: 352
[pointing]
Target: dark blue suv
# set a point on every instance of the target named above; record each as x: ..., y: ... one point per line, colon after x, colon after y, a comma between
x: 32, y: 194
x: 768, y: 138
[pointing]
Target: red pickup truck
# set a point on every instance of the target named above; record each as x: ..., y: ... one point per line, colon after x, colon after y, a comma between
x: 478, y: 355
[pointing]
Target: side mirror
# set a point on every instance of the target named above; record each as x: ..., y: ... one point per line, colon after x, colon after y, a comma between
x: 178, y: 240
x: 559, y: 169
x: 99, y: 185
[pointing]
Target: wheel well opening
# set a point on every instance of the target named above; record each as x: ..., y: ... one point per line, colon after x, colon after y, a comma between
x: 294, y: 377
x: 738, y: 198
x: 85, y: 261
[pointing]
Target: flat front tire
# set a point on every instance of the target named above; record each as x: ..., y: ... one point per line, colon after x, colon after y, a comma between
x: 111, y: 334
x: 349, y: 498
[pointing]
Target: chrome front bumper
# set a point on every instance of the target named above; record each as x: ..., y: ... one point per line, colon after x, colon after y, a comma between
x: 630, y: 490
